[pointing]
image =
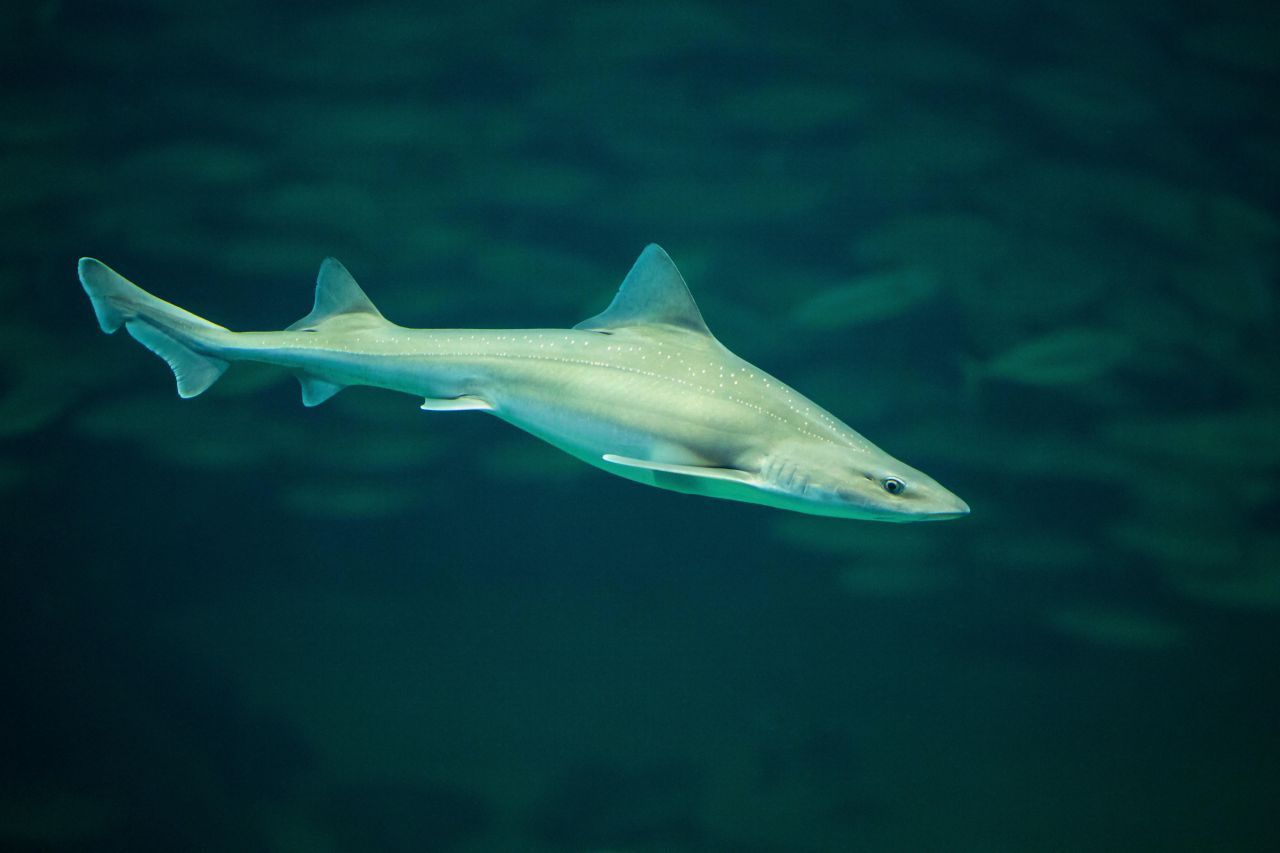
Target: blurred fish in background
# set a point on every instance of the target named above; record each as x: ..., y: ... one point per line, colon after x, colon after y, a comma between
x: 1033, y: 247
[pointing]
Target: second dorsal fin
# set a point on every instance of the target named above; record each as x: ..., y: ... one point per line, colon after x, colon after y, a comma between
x: 336, y: 294
x: 653, y: 292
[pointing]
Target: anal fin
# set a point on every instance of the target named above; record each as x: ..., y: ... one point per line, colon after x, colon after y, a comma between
x: 465, y: 403
x: 316, y: 391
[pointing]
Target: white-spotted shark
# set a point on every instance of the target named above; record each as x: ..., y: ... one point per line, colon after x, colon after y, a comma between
x: 643, y: 390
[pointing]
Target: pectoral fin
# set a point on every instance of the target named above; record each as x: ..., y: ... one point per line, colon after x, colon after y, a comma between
x: 465, y: 403
x: 731, y: 475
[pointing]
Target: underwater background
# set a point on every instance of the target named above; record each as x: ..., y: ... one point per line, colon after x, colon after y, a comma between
x: 1028, y: 247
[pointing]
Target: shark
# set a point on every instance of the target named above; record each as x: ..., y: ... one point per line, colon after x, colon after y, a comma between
x: 642, y: 390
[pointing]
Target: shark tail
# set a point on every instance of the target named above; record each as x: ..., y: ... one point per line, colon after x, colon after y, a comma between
x: 167, y: 330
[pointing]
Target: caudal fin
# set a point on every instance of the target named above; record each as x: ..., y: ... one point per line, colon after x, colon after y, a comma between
x: 167, y: 330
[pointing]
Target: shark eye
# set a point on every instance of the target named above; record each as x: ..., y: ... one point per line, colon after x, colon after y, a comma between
x: 893, y: 485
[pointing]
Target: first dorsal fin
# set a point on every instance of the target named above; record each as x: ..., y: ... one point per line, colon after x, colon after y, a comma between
x: 653, y: 292
x: 336, y: 293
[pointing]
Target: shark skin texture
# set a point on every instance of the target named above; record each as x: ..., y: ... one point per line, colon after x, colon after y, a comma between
x: 642, y: 390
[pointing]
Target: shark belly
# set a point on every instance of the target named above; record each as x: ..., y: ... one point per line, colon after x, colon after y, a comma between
x: 586, y: 393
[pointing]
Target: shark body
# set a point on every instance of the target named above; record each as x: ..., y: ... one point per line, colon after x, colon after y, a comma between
x: 642, y: 390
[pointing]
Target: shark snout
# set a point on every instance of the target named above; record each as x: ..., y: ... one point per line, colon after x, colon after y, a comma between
x: 947, y: 506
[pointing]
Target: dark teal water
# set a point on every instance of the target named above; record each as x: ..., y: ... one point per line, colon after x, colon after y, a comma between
x: 1030, y: 248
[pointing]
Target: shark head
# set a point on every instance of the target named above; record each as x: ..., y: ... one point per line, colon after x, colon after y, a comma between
x: 740, y: 434
x: 855, y: 482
